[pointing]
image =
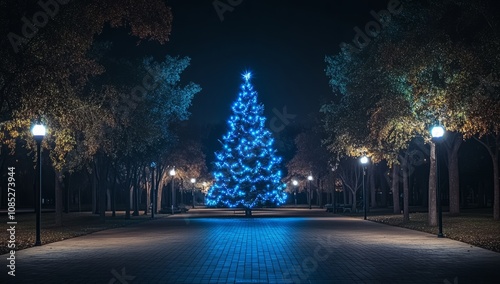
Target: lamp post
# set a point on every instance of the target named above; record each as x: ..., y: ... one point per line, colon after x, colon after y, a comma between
x: 38, y: 132
x: 364, y: 162
x: 310, y: 178
x: 295, y: 183
x: 192, y: 191
x: 172, y: 174
x: 153, y: 192
x: 437, y: 133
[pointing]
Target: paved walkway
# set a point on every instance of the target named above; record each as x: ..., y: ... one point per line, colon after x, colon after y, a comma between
x: 311, y: 249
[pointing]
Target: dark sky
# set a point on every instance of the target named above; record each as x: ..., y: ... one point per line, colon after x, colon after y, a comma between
x: 283, y: 43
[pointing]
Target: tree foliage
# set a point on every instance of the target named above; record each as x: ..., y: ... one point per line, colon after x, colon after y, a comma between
x: 311, y: 158
x: 45, y: 77
x: 424, y: 68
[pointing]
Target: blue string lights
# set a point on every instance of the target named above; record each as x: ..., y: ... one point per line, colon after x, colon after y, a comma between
x: 247, y: 170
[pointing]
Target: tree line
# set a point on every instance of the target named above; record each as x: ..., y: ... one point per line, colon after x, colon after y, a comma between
x: 110, y: 118
x: 435, y: 63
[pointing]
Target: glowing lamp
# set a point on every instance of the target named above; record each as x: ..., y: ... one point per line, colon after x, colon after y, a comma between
x: 38, y: 132
x: 437, y: 131
x: 364, y: 160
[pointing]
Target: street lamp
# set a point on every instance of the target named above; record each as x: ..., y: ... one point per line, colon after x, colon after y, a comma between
x: 437, y: 133
x: 192, y: 191
x: 172, y: 174
x: 310, y: 178
x: 38, y: 132
x: 295, y: 183
x: 153, y: 192
x: 364, y: 162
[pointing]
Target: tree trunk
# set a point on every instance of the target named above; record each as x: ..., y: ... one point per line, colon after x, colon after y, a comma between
x: 406, y: 189
x: 113, y: 193
x: 113, y: 200
x: 94, y: 194
x: 308, y: 192
x: 136, y: 195
x: 383, y: 187
x: 373, y: 190
x: 423, y: 189
x: 68, y: 195
x: 128, y: 200
x: 182, y: 194
x: 354, y: 202
x: 494, y: 154
x: 101, y: 174
x: 496, y: 188
x: 59, y: 198
x: 432, y: 208
x: 108, y: 198
x: 345, y: 196
x: 102, y: 198
x: 159, y: 195
x: 395, y: 188
x: 131, y: 196
x: 147, y: 188
x: 453, y: 172
x: 79, y: 199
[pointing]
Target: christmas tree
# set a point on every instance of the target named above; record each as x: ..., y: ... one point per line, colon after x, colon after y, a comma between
x: 247, y: 170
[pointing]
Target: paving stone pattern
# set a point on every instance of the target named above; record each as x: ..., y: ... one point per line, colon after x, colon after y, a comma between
x: 318, y: 248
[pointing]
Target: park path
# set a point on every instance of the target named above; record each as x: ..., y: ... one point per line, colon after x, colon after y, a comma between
x: 294, y: 246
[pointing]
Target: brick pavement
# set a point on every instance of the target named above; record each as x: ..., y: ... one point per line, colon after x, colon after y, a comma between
x: 315, y: 248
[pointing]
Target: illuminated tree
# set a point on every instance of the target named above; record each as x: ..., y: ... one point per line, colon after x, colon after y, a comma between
x: 247, y: 170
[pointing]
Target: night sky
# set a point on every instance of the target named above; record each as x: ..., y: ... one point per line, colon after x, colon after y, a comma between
x: 283, y: 44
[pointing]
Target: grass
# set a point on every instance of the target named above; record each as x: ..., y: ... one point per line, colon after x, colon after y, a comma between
x: 74, y: 225
x: 472, y: 226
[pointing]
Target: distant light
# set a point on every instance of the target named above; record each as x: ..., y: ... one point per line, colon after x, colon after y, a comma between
x: 437, y: 131
x: 38, y: 130
x: 364, y: 160
x: 310, y: 177
x: 193, y: 180
x: 294, y: 182
x: 172, y: 172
